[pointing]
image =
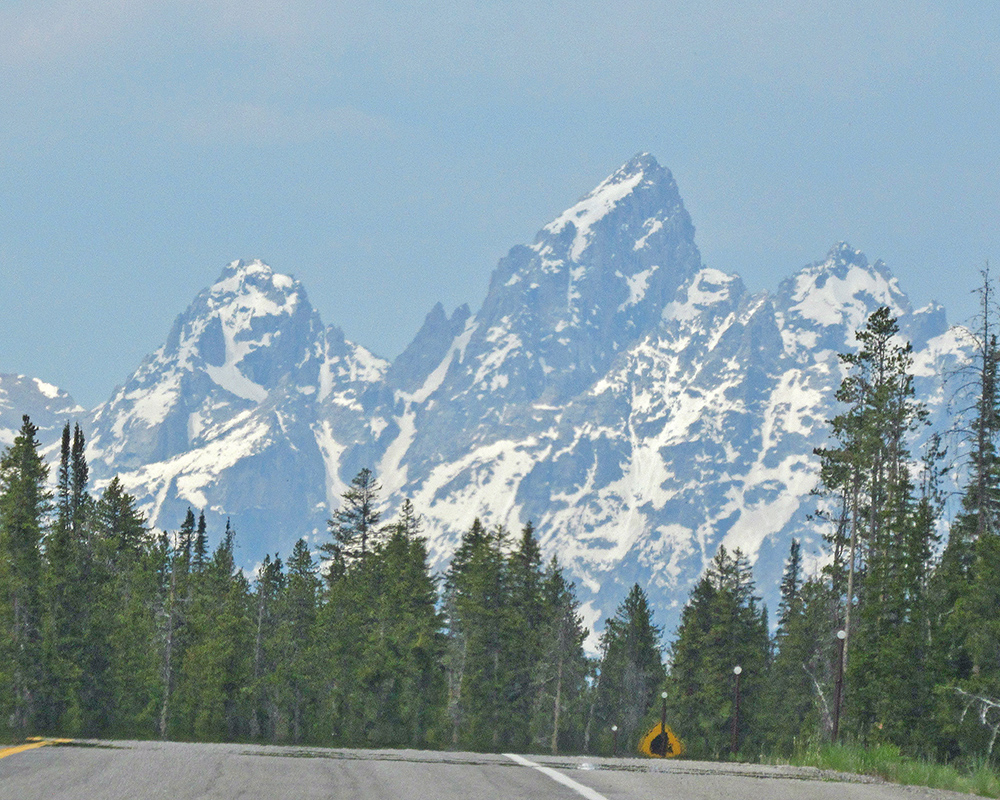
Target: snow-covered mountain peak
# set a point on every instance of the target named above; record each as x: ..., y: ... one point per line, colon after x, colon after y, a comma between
x: 925, y: 324
x: 249, y: 396
x: 841, y: 291
x: 637, y: 406
x: 641, y: 175
x: 234, y: 329
x: 254, y: 288
x: 241, y: 269
x: 250, y: 332
x: 594, y: 281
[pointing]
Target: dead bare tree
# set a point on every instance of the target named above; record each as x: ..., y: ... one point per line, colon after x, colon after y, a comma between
x: 983, y: 707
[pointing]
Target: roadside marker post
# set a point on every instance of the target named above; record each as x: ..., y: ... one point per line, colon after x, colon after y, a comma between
x: 663, y: 724
x: 734, y: 743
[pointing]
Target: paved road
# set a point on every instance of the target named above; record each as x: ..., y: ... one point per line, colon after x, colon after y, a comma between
x: 139, y: 770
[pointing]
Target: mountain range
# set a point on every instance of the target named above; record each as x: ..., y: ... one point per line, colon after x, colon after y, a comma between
x: 638, y: 407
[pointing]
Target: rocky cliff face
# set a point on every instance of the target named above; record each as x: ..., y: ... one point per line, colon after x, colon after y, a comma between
x: 240, y: 413
x: 49, y: 407
x: 639, y: 408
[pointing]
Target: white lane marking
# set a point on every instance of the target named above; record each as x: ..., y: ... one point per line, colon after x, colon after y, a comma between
x: 579, y: 788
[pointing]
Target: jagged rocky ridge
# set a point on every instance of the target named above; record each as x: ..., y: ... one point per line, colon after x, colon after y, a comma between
x: 639, y: 407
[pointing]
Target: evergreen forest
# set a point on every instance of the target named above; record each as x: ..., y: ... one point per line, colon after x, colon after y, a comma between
x: 110, y: 629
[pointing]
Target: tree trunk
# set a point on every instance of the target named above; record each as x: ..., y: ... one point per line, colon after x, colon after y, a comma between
x: 165, y: 709
x: 555, y: 708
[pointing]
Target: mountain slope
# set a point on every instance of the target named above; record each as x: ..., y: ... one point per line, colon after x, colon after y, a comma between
x: 235, y: 413
x: 640, y: 408
x: 49, y: 407
x: 689, y: 419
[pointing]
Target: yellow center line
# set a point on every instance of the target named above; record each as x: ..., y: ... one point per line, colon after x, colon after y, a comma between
x: 31, y: 745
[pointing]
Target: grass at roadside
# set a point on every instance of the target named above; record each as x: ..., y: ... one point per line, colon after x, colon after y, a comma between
x: 886, y: 761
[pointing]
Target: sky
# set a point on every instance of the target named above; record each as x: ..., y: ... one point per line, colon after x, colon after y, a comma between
x: 388, y: 154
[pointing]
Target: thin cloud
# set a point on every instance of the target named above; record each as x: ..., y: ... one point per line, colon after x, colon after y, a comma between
x: 572, y: 49
x: 255, y: 123
x: 46, y: 34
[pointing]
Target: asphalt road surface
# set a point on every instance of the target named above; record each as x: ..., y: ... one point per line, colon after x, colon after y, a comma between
x: 139, y: 770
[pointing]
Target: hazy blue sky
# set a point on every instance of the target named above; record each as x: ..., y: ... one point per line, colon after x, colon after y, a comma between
x: 387, y: 154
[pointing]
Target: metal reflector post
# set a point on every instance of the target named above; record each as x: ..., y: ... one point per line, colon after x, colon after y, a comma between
x: 663, y: 724
x: 734, y: 738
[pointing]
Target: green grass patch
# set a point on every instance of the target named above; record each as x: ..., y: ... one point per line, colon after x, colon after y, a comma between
x: 887, y: 762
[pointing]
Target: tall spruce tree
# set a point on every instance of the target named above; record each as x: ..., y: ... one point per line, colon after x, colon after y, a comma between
x: 296, y: 635
x: 199, y: 550
x: 140, y: 588
x: 800, y: 694
x: 892, y: 532
x: 955, y: 615
x: 65, y: 588
x: 179, y: 594
x: 559, y: 713
x: 64, y: 512
x: 722, y: 626
x: 80, y: 498
x: 524, y: 626
x: 265, y: 718
x: 211, y: 703
x: 24, y: 508
x: 404, y: 644
x: 118, y: 521
x: 981, y: 499
x: 475, y: 597
x: 354, y: 527
x: 630, y: 675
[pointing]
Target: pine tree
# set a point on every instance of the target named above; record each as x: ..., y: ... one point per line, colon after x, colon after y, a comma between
x: 64, y: 513
x: 119, y: 522
x: 79, y: 497
x: 293, y: 639
x: 210, y: 702
x: 561, y: 674
x: 955, y: 616
x: 179, y: 595
x: 791, y: 583
x: 722, y: 626
x: 408, y: 522
x: 892, y: 530
x: 141, y: 586
x: 981, y: 499
x: 265, y: 715
x: 184, y: 557
x: 631, y: 671
x: 24, y: 507
x: 524, y: 625
x: 800, y: 694
x: 199, y: 555
x: 400, y: 681
x: 475, y: 596
x: 354, y: 527
x: 65, y: 594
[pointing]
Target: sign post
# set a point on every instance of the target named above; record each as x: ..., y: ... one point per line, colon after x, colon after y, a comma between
x: 734, y: 738
x: 663, y: 724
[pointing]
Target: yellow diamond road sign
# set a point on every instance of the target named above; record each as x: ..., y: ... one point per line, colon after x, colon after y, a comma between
x: 661, y: 742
